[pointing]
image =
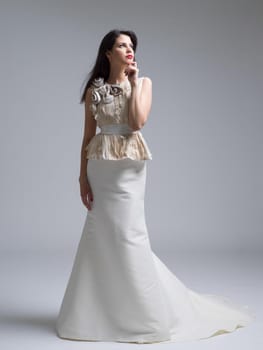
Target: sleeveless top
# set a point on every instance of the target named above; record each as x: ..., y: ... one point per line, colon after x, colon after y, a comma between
x: 116, y: 140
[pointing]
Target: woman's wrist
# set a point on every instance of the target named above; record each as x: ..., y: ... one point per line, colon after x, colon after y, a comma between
x: 135, y: 84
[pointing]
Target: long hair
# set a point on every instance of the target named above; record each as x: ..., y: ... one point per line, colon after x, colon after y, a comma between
x: 102, y: 65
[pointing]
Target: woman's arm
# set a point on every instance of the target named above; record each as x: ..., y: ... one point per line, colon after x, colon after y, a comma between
x: 89, y: 131
x: 140, y: 103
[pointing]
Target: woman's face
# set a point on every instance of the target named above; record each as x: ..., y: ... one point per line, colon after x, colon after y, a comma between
x: 122, y: 52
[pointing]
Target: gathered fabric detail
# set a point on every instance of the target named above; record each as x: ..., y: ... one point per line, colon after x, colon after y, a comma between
x: 110, y: 110
x: 117, y: 146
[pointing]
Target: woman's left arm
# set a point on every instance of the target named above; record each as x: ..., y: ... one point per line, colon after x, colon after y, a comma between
x: 140, y: 103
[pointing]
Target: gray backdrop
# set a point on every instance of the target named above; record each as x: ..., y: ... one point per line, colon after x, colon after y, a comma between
x: 204, y: 184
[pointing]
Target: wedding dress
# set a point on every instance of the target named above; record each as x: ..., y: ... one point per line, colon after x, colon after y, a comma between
x: 119, y: 290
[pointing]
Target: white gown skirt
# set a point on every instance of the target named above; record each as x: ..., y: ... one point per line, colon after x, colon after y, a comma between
x: 119, y: 290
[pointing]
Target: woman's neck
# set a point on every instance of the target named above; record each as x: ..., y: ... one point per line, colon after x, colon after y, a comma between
x: 116, y: 77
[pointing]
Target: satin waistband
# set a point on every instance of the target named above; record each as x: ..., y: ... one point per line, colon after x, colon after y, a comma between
x: 117, y: 129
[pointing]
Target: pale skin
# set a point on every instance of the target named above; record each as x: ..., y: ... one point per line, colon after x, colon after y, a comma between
x: 121, y: 68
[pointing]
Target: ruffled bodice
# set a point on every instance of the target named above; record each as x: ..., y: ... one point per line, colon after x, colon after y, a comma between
x: 110, y: 105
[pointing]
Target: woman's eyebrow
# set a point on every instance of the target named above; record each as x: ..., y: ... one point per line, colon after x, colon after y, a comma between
x: 125, y: 43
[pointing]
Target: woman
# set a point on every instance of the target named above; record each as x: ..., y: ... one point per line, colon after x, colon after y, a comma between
x: 119, y: 290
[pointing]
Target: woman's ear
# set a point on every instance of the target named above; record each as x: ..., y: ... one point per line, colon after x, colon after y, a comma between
x: 107, y: 54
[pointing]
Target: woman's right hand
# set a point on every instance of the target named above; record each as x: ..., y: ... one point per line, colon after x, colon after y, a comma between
x: 86, y: 193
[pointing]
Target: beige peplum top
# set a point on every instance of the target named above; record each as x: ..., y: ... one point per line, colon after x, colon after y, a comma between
x: 116, y: 140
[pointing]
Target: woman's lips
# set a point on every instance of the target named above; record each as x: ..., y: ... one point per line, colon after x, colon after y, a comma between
x: 129, y: 56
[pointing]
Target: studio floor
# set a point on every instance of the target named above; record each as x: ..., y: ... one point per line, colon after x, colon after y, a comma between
x: 33, y: 284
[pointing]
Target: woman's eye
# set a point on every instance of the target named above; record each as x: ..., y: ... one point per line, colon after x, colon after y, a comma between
x: 124, y: 45
x: 131, y: 46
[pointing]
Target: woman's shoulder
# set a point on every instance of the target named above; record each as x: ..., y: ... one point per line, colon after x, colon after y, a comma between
x: 145, y: 77
x: 145, y: 80
x: 145, y: 83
